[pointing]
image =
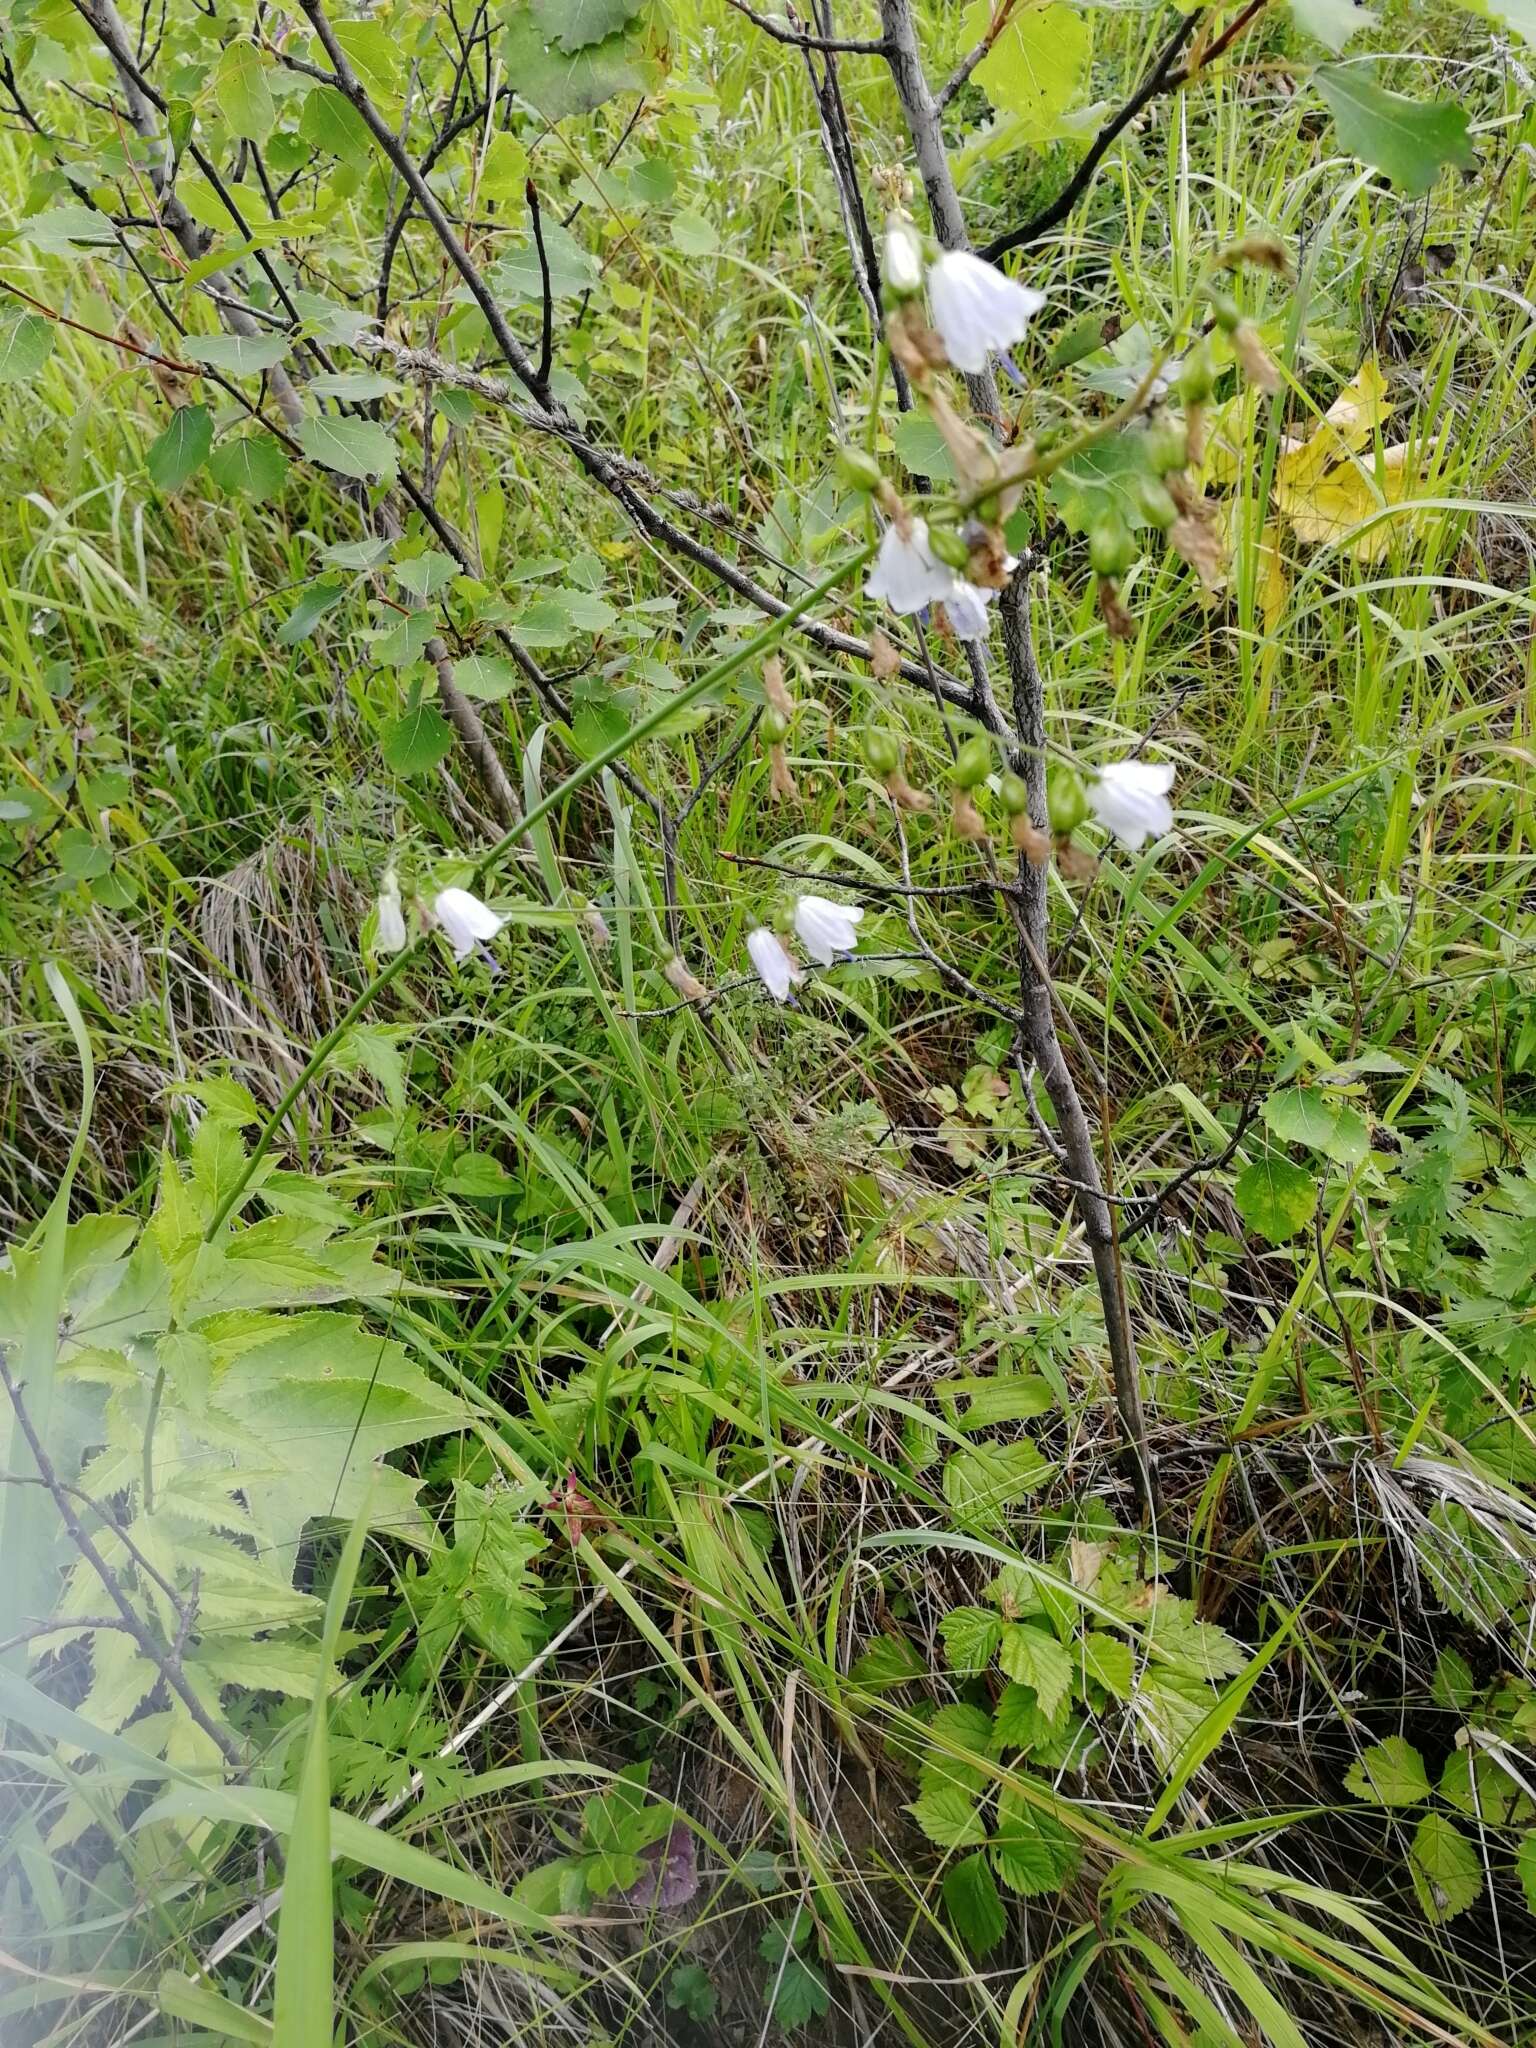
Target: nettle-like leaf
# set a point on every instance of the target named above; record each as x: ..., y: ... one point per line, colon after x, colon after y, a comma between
x: 953, y: 1730
x: 972, y: 1902
x: 949, y: 1817
x: 1031, y: 1851
x: 971, y: 1636
x: 1390, y: 1773
x: 981, y: 1484
x: 1409, y: 141
x: 1032, y: 1657
x: 1445, y: 1867
x: 226, y: 1401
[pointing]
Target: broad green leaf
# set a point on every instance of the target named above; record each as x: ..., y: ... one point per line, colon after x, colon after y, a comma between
x: 68, y: 230
x: 486, y: 677
x: 1038, y: 67
x: 358, y: 387
x: 329, y: 122
x: 980, y: 1484
x: 405, y: 642
x: 1453, y: 1686
x: 373, y: 49
x: 355, y: 448
x: 948, y: 1816
x: 1390, y: 1773
x: 571, y: 270
x: 971, y: 1900
x: 1520, y: 15
x: 1030, y: 1850
x: 956, y: 1733
x: 922, y: 447
x: 313, y: 604
x: 425, y: 575
x: 1321, y: 1119
x: 573, y: 24
x: 1332, y: 22
x: 242, y: 355
x: 252, y: 464
x: 1033, y: 1657
x: 1021, y: 1723
x: 417, y: 741
x: 1110, y: 1662
x: 26, y: 343
x: 1446, y: 1869
x: 1409, y: 141
x: 557, y: 84
x: 1103, y: 482
x: 243, y: 93
x: 889, y: 1660
x: 1477, y: 1785
x: 971, y: 1636
x: 503, y: 168
x: 180, y: 448
x: 1275, y: 1198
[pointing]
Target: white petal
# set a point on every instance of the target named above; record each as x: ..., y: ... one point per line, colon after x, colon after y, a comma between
x: 466, y: 920
x: 777, y: 972
x: 978, y: 310
x: 1130, y: 799
x: 901, y: 257
x: 966, y: 609
x: 907, y: 574
x: 388, y: 924
x: 826, y: 928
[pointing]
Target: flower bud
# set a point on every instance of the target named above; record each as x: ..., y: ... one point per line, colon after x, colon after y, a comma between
x: 1157, y: 501
x: 1111, y: 550
x: 973, y: 763
x: 883, y: 752
x: 1166, y: 445
x: 775, y: 725
x: 1197, y: 377
x: 1224, y: 309
x: 1014, y: 793
x: 901, y: 258
x: 1066, y: 802
x: 858, y: 469
x: 948, y: 544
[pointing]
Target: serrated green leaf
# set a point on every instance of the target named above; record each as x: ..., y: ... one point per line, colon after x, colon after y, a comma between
x: 889, y: 1660
x: 922, y: 447
x: 425, y: 575
x: 1031, y: 1657
x: 1453, y: 1686
x: 1445, y: 1867
x: 556, y: 83
x: 180, y: 448
x: 313, y: 604
x: 1478, y: 1786
x: 1275, y: 1197
x: 355, y: 448
x: 982, y: 1483
x: 1110, y: 1661
x: 1409, y: 141
x: 1030, y: 1849
x: 1389, y: 1773
x: 1103, y: 483
x: 955, y: 1730
x: 330, y: 123
x: 971, y: 1636
x: 1021, y: 1723
x: 417, y: 741
x: 949, y: 1817
x: 488, y: 678
x: 971, y: 1900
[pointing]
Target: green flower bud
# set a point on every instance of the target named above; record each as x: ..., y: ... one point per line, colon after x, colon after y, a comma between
x: 1111, y: 550
x: 973, y: 763
x: 1157, y: 502
x: 947, y: 544
x: 1014, y: 791
x: 775, y: 725
x: 1225, y: 309
x: 1066, y: 804
x: 882, y: 752
x: 858, y: 469
x: 1167, y: 445
x: 1197, y: 378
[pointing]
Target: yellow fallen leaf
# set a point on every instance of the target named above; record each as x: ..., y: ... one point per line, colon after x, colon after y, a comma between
x: 1349, y: 494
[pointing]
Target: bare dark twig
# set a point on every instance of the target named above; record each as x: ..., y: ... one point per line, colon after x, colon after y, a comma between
x: 802, y: 39
x: 547, y: 314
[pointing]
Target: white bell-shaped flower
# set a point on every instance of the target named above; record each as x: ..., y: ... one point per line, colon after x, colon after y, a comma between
x: 388, y: 918
x: 825, y: 928
x: 776, y: 969
x: 901, y: 257
x: 977, y: 310
x: 907, y: 573
x: 966, y: 609
x: 467, y: 921
x: 1130, y: 798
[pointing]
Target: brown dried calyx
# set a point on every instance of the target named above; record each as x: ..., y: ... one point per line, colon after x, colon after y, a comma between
x: 1194, y: 533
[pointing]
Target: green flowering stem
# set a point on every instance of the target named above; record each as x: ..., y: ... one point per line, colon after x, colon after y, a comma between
x: 762, y: 642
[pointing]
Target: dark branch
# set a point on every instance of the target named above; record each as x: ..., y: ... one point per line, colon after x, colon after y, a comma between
x: 801, y: 39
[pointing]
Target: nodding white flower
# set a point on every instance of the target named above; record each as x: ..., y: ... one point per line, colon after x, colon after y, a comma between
x: 966, y: 609
x: 1130, y: 798
x: 907, y: 573
x: 901, y: 258
x: 467, y: 921
x: 388, y: 918
x: 977, y: 309
x: 826, y: 929
x: 771, y: 957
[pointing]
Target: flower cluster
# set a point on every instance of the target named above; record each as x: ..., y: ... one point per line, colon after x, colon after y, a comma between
x: 823, y: 927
